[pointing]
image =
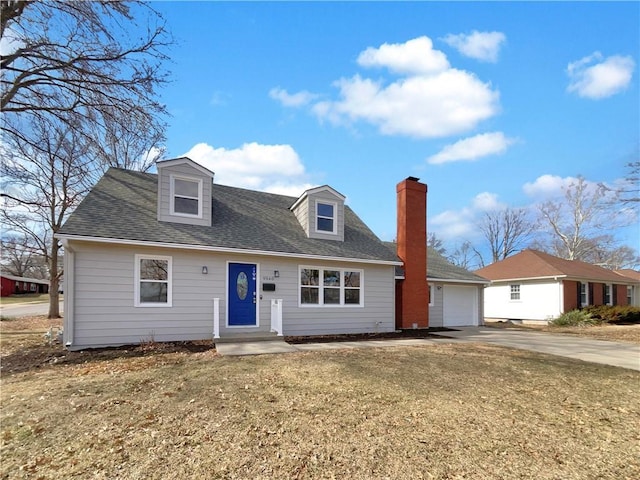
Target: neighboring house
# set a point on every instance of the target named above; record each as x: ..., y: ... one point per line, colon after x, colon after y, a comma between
x: 12, y: 285
x: 456, y: 296
x: 173, y: 256
x: 536, y: 286
x: 633, y: 291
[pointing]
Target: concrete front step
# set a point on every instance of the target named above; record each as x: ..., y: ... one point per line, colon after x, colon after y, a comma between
x: 249, y: 337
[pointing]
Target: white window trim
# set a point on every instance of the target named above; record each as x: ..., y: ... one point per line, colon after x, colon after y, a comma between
x: 320, y: 287
x: 431, y: 290
x: 335, y: 217
x: 172, y: 196
x: 136, y: 285
x: 584, y: 285
x: 519, y: 292
x: 608, y: 287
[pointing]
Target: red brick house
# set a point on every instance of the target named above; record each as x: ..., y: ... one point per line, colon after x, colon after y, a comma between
x: 536, y: 286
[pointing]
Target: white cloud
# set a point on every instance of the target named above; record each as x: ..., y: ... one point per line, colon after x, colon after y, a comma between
x: 462, y: 224
x: 448, y: 103
x: 432, y: 99
x: 292, y: 100
x: 473, y: 148
x: 487, y: 202
x: 269, y: 168
x: 548, y: 186
x: 416, y: 56
x: 594, y: 77
x: 452, y: 224
x: 10, y: 42
x: 483, y: 46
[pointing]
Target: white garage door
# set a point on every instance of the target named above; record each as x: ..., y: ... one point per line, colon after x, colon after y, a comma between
x: 460, y: 306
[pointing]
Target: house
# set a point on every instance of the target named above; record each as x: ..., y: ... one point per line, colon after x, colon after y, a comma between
x: 633, y: 292
x: 12, y: 285
x: 456, y: 295
x: 174, y: 256
x: 536, y: 286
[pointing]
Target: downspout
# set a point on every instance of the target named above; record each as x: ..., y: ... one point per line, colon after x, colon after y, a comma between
x: 69, y: 293
x: 560, y: 296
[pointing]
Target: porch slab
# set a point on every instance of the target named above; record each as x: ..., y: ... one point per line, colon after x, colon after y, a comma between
x: 280, y: 346
x: 254, y: 348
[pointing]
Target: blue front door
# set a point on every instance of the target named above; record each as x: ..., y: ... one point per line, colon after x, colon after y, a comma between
x: 242, y: 294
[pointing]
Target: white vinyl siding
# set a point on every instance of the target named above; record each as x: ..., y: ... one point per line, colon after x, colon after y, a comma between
x: 541, y: 300
x: 306, y: 211
x: 166, y: 198
x: 104, y: 313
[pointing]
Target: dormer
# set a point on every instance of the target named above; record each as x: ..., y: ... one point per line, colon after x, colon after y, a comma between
x: 320, y: 211
x: 184, y: 192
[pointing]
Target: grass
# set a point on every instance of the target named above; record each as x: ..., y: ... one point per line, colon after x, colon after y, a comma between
x: 613, y: 333
x: 27, y: 298
x: 442, y: 411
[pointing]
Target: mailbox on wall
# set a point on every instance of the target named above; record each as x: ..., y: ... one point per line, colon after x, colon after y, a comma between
x: 268, y: 287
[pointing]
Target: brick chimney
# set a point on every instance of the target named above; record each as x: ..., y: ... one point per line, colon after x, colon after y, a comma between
x: 412, y: 293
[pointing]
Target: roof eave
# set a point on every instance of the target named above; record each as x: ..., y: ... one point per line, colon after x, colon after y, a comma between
x: 206, y: 248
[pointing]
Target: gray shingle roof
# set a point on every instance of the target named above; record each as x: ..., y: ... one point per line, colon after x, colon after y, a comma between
x: 439, y: 268
x: 123, y: 205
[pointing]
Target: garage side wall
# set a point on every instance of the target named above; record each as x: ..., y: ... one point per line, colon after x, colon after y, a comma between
x: 539, y: 301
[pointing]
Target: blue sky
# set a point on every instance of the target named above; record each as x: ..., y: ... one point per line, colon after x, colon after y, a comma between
x: 490, y: 104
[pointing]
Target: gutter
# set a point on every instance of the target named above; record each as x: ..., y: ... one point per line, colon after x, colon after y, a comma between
x: 204, y: 248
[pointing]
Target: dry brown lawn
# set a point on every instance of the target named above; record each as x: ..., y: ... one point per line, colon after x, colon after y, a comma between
x: 614, y: 333
x: 441, y: 411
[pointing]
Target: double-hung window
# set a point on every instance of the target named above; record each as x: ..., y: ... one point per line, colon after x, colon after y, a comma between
x: 514, y: 292
x: 330, y: 286
x: 153, y: 281
x: 326, y: 217
x: 186, y: 196
x: 607, y: 294
x: 584, y: 294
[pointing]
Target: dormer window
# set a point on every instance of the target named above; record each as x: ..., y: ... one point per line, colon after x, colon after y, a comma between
x: 186, y: 197
x: 326, y: 217
x: 321, y: 213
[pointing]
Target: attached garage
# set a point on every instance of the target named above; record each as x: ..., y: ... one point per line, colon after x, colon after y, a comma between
x: 460, y: 306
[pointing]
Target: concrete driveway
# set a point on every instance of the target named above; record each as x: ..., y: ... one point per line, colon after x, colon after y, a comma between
x: 624, y: 355
x: 26, y: 309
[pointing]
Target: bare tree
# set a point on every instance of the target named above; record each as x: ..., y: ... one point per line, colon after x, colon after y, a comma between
x: 606, y: 252
x: 95, y: 59
x: 78, y: 94
x: 46, y: 180
x: 578, y: 219
x: 18, y: 255
x: 436, y: 243
x: 466, y: 256
x: 629, y: 192
x: 506, y: 231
